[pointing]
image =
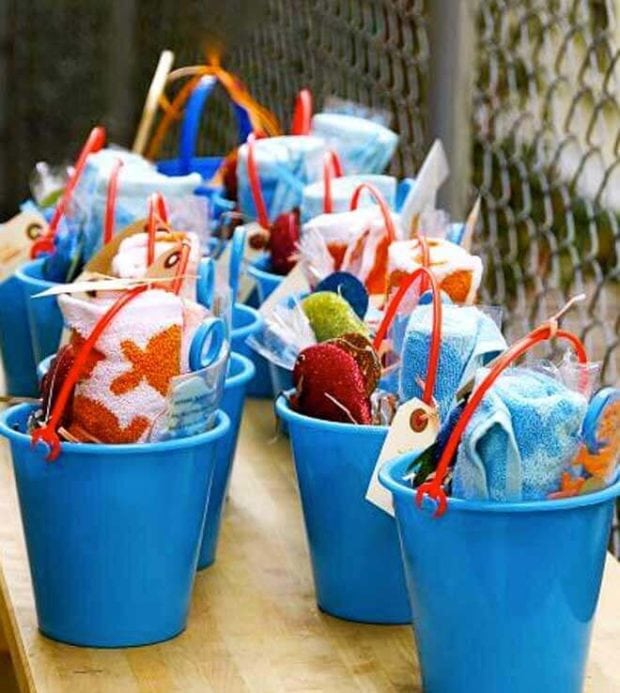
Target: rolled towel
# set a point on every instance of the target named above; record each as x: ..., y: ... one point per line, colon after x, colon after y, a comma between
x: 520, y: 440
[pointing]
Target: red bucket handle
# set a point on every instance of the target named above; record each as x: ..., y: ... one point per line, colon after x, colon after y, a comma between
x: 302, y: 113
x: 390, y: 312
x: 254, y: 180
x: 158, y: 213
x: 110, y: 203
x: 94, y: 142
x: 434, y: 488
x: 383, y: 206
x: 332, y: 168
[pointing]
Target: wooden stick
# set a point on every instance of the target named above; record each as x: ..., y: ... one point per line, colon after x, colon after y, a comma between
x: 158, y: 83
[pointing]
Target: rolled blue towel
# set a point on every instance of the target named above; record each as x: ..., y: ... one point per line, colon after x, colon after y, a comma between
x: 469, y: 339
x: 285, y: 166
x: 520, y: 439
x: 342, y: 190
x: 364, y: 146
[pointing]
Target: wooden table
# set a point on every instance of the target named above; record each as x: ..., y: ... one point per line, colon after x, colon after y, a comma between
x: 254, y: 625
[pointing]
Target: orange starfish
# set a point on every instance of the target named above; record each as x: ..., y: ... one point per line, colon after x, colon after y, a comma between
x: 157, y: 364
x: 570, y: 486
x: 92, y: 419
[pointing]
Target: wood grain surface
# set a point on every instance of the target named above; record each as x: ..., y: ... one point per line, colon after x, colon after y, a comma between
x: 254, y: 626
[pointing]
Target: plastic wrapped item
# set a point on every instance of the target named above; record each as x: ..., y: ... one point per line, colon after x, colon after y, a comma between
x: 459, y: 273
x: 364, y: 146
x: 469, y: 339
x: 285, y: 165
x: 520, y: 440
x: 341, y: 191
x: 47, y: 183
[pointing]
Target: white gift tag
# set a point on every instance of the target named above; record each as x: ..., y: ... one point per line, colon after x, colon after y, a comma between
x: 414, y: 429
x: 16, y: 238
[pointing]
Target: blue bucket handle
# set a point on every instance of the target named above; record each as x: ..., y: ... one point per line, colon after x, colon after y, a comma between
x: 237, y: 248
x: 207, y: 344
x: 205, y: 286
x: 193, y: 115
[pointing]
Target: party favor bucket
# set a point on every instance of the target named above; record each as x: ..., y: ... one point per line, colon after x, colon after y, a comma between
x: 354, y: 550
x: 112, y: 532
x: 44, y: 315
x: 241, y: 371
x: 502, y: 594
x: 245, y: 322
x: 15, y: 342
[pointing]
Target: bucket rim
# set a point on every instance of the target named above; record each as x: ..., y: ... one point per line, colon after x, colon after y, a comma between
x: 288, y: 414
x: 22, y: 273
x: 254, y: 326
x: 23, y: 439
x: 391, y: 468
x: 249, y: 369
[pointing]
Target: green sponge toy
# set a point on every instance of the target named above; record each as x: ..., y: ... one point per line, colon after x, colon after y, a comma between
x: 331, y: 316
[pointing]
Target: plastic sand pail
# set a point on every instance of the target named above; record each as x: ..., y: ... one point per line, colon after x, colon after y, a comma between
x: 15, y: 342
x: 112, y: 532
x: 247, y: 321
x: 240, y: 371
x: 503, y: 595
x: 266, y: 281
x: 44, y: 314
x: 356, y: 562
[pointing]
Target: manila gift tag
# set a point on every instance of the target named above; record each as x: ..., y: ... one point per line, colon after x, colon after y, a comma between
x: 414, y: 429
x: 294, y: 283
x: 16, y: 238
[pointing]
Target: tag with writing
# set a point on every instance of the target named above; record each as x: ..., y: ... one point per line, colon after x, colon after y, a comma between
x: 16, y: 238
x: 414, y: 428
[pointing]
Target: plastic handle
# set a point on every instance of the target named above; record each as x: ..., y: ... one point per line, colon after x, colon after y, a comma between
x: 191, y: 121
x: 254, y: 179
x: 237, y: 248
x: 332, y: 168
x: 47, y: 433
x: 110, y: 203
x: 433, y: 355
x: 205, y: 287
x: 94, y: 142
x: 383, y: 206
x: 157, y: 214
x: 302, y: 113
x: 434, y: 488
x: 207, y: 343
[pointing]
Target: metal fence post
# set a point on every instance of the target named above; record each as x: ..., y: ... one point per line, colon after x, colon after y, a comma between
x: 452, y: 38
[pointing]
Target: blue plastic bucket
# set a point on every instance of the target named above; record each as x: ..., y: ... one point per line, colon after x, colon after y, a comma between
x: 112, y: 533
x: 356, y: 562
x: 503, y: 595
x: 240, y: 371
x: 266, y: 281
x: 44, y: 315
x: 247, y: 321
x: 15, y: 342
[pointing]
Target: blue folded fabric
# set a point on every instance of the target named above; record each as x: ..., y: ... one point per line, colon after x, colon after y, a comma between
x: 285, y: 166
x: 520, y: 439
x: 469, y: 339
x: 364, y: 146
x: 342, y: 191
